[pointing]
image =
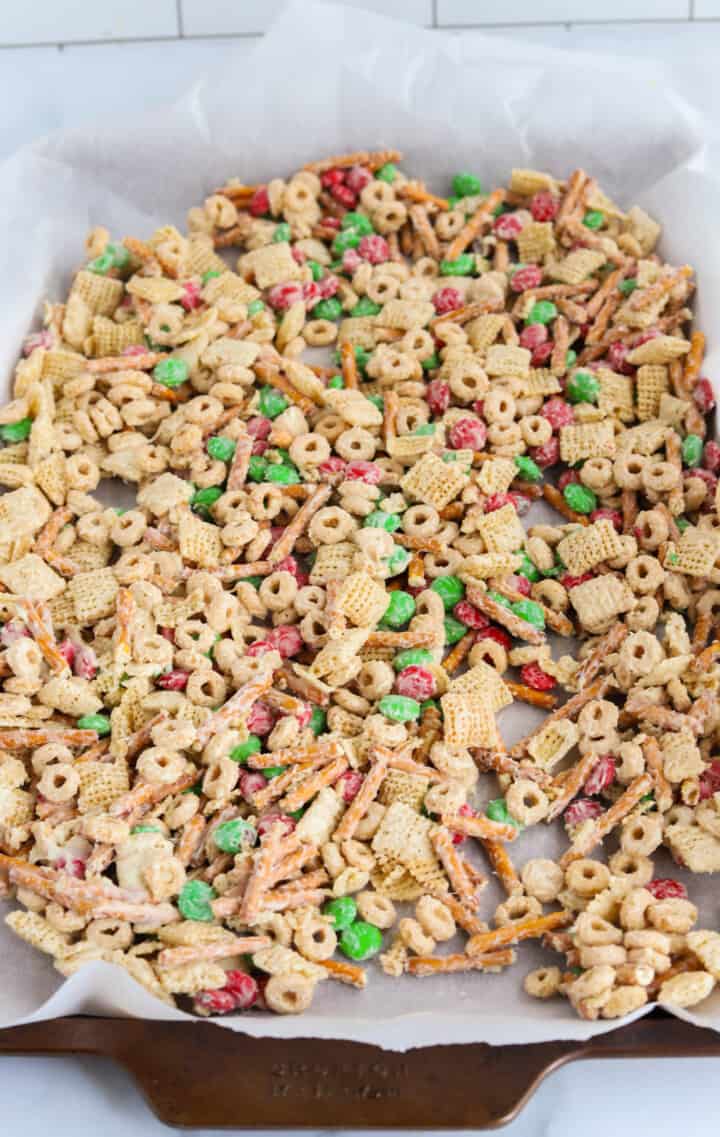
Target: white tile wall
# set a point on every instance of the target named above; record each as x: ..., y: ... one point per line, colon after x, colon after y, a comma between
x: 83, y: 21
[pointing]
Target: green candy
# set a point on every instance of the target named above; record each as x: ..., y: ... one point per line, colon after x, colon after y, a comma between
x: 209, y: 275
x: 450, y: 589
x: 343, y: 911
x: 336, y: 383
x: 99, y: 723
x: 316, y: 269
x: 583, y: 387
x: 146, y: 829
x: 400, y: 609
x: 692, y: 449
x: 527, y: 469
x: 283, y: 474
x: 171, y: 372
x: 497, y: 810
x: 102, y: 264
x: 542, y: 312
x: 682, y: 523
x: 271, y: 402
x: 120, y: 255
x: 580, y: 498
x: 465, y: 185
x: 593, y: 219
x: 464, y: 265
x: 330, y: 309
x: 221, y: 448
x: 387, y: 173
x: 256, y: 468
x: 194, y: 901
x: 366, y: 307
x: 255, y: 306
x: 377, y: 401
x: 207, y: 497
x: 360, y: 941
x: 358, y: 221
x: 627, y: 286
x: 500, y: 599
x: 570, y: 358
x: 529, y: 611
x: 411, y: 656
x: 431, y: 362
x: 271, y: 772
x: 397, y: 561
x: 399, y: 708
x: 527, y: 568
x: 346, y: 239
x: 378, y: 519
x: 243, y: 750
x: 454, y: 630
x: 425, y: 428
x: 282, y: 233
x: 16, y: 431
x: 233, y: 836
x: 318, y: 721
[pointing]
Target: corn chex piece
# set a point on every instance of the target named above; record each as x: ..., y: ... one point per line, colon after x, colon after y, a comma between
x: 540, y: 381
x: 174, y: 609
x: 643, y: 228
x: 229, y: 286
x: 526, y: 183
x: 199, y: 541
x: 681, y: 756
x: 59, y: 365
x: 109, y: 338
x: 501, y: 530
x: 239, y: 353
x: 409, y: 448
x: 469, y: 719
x: 673, y: 410
x: 645, y: 438
x: 17, y: 807
x: 503, y: 360
x: 333, y: 562
x: 101, y: 294
x: 395, y: 882
x: 576, y: 266
x: 433, y: 481
x: 599, y: 601
x: 201, y: 255
x: 22, y: 512
x: 693, y: 847
x: 32, y: 578
x: 362, y: 599
x: 271, y: 264
x: 279, y: 960
x: 404, y: 837
x: 192, y: 978
x: 36, y: 930
x: 483, y: 681
x: 588, y: 440
x: 586, y: 547
x: 616, y: 394
x: 695, y: 553
x: 154, y: 289
x: 535, y: 241
x: 93, y: 594
x: 357, y: 330
x: 353, y: 407
x: 405, y: 314
x: 62, y: 610
x: 339, y: 654
x: 484, y: 330
x: 101, y: 783
x: 496, y: 475
x: 482, y: 566
x: 410, y: 789
x: 651, y: 383
x: 663, y: 349
x: 553, y: 742
x: 70, y: 695
x: 51, y: 477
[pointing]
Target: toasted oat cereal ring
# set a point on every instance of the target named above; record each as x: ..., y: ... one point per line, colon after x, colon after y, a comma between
x: 587, y: 877
x: 543, y: 983
x: 289, y: 994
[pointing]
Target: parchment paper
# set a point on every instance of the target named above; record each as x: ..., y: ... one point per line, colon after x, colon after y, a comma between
x: 327, y: 80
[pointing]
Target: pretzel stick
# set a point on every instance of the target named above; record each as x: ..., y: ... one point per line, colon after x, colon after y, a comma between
x: 554, y: 498
x: 125, y: 608
x: 471, y: 229
x: 276, y: 787
x: 299, y: 523
x: 307, y: 686
x: 673, y: 452
x: 349, y: 367
x: 454, y: 866
x: 519, y: 930
x: 502, y: 866
x: 453, y: 660
x: 463, y: 916
x: 529, y: 695
x: 429, y: 733
x: 141, y: 738
x: 343, y: 972
x: 390, y: 413
x: 701, y: 631
x: 416, y: 572
x: 144, y: 795
x: 502, y: 763
x: 21, y: 739
x: 594, y: 690
x: 416, y: 191
x: 36, y: 617
x: 572, y: 782
x: 366, y: 794
x: 218, y: 949
x: 605, y: 646
x: 654, y: 763
x: 312, y: 783
x: 280, y: 900
x: 561, y: 335
x: 553, y: 619
x: 480, y: 827
x: 571, y: 200
x: 373, y: 159
x: 398, y: 640
x: 281, y: 701
x: 424, y: 965
x: 706, y: 658
x: 408, y: 766
x: 521, y: 629
x: 592, y: 834
x: 606, y: 289
x: 259, y: 880
x: 240, y: 462
x: 693, y: 362
x: 138, y: 362
x: 50, y: 532
x: 427, y: 544
x: 322, y: 748
x: 424, y: 230
x: 236, y: 706
x: 191, y: 839
x: 646, y: 297
x: 292, y: 865
x: 463, y: 315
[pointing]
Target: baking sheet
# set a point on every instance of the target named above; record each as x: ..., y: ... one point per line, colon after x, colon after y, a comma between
x: 327, y: 80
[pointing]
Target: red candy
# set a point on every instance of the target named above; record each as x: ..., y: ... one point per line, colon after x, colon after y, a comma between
x: 250, y: 783
x: 349, y: 784
x: 465, y: 810
x: 191, y: 297
x: 568, y: 581
x: 582, y: 809
x: 259, y: 202
x: 289, y: 564
x: 617, y: 358
x: 332, y: 465
x: 532, y: 675
x: 261, y: 719
x: 437, y: 394
x: 351, y: 260
x: 12, y: 632
x: 73, y: 866
x: 526, y: 278
x: 242, y: 987
x: 498, y: 634
x: 711, y: 456
x: 361, y: 471
x: 532, y: 336
x: 665, y: 888
x: 416, y: 682
x: 333, y: 177
x: 344, y: 195
x: 470, y: 616
x: 467, y: 434
x: 568, y: 478
x: 328, y: 286
x: 558, y: 413
x: 703, y: 395
x: 447, y: 300
x: 498, y: 500
x: 218, y: 1002
x: 507, y: 226
x: 330, y: 222
x: 710, y: 780
x: 67, y: 651
x: 311, y: 293
x: 260, y: 445
x: 174, y: 680
x: 542, y: 353
x: 85, y: 664
x: 286, y: 639
x: 304, y: 715
x: 259, y: 427
x: 258, y: 648
x: 606, y: 514
x: 283, y: 296
x: 520, y: 584
x: 357, y: 178
x: 40, y: 339
x: 273, y: 817
x: 374, y: 248
x: 601, y: 776
x: 546, y: 455
x: 544, y: 206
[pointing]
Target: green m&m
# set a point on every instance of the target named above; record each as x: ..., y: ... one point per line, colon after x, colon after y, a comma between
x: 360, y: 941
x: 450, y: 589
x: 221, y: 448
x: 359, y: 221
x: 412, y: 656
x: 330, y: 309
x: 366, y: 307
x: 692, y: 448
x: 342, y: 910
x: 593, y: 219
x: 235, y: 835
x: 16, y: 431
x: 529, y: 611
x: 282, y: 473
x: 527, y: 469
x: 271, y: 402
x: 465, y: 185
x: 99, y: 723
x: 464, y: 265
x: 399, y: 708
x: 257, y: 467
x: 171, y: 372
x: 243, y: 750
x: 580, y: 498
x: 400, y: 609
x: 398, y: 561
x: 318, y: 721
x: 255, y: 306
x: 542, y: 312
x: 387, y: 173
x: 194, y: 900
x: 282, y: 233
x: 497, y: 810
x: 454, y: 630
x: 203, y: 499
x: 583, y: 387
x: 379, y: 519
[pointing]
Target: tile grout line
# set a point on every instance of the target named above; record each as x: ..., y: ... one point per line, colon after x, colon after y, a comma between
x: 434, y: 13
x: 179, y: 14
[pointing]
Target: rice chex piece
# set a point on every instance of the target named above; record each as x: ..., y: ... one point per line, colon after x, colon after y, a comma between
x: 271, y: 264
x: 362, y: 599
x: 22, y: 512
x: 599, y: 601
x: 576, y: 266
x: 469, y: 720
x: 101, y: 783
x: 695, y: 553
x: 485, y: 682
x: 585, y: 547
x: 615, y: 395
x: 199, y: 541
x: 32, y: 578
x: 333, y: 562
x: 501, y: 530
x: 535, y: 241
x: 59, y: 365
x: 496, y: 475
x: 405, y: 314
x: 37, y: 931
x: 651, y: 383
x: 101, y: 294
x: 154, y: 289
x: 540, y: 381
x: 433, y: 481
x: 693, y: 847
x: 507, y: 360
x: 404, y: 837
x: 93, y: 594
x: 663, y: 349
x: 553, y: 742
x: 484, y: 330
x: 526, y: 183
x: 588, y: 440
x: 109, y: 338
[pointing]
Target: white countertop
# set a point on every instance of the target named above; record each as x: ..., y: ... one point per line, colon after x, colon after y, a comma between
x: 46, y: 88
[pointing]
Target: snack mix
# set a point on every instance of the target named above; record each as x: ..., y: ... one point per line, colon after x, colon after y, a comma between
x: 244, y: 719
